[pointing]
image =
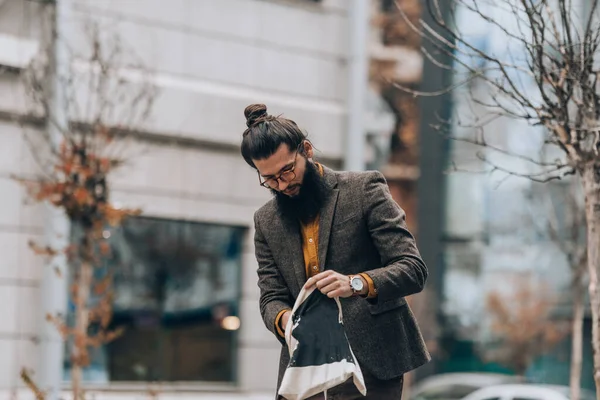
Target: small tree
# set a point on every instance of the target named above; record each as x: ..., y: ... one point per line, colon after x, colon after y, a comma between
x: 522, y: 327
x: 76, y: 156
x: 551, y: 83
x: 563, y: 222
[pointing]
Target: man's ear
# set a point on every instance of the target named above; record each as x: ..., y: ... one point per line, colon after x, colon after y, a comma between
x: 308, y: 149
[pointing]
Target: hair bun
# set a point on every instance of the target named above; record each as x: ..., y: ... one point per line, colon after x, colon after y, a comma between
x: 254, y: 113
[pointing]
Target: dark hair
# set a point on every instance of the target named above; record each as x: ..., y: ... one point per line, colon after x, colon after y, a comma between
x: 265, y: 133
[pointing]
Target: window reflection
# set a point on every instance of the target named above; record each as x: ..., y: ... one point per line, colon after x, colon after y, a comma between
x: 176, y: 292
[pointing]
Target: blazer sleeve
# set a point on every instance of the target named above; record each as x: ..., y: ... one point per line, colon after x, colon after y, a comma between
x: 403, y: 271
x: 274, y: 293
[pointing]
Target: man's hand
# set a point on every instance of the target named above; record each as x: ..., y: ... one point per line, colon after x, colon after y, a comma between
x: 284, y: 319
x: 332, y: 284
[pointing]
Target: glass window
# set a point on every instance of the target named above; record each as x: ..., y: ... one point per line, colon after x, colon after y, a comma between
x: 176, y: 293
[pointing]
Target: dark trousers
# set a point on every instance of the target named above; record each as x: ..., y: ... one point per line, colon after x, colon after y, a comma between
x: 376, y: 390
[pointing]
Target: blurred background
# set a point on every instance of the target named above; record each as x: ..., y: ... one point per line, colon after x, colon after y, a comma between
x: 188, y: 297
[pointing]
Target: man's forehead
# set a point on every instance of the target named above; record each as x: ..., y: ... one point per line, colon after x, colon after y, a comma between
x: 273, y: 164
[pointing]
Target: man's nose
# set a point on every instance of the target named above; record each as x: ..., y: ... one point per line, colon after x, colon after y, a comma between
x: 282, y: 185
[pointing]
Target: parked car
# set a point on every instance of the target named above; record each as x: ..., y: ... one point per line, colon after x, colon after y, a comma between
x: 526, y: 392
x: 455, y: 386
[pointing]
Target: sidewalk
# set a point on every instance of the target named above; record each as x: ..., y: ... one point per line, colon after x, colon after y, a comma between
x: 24, y: 394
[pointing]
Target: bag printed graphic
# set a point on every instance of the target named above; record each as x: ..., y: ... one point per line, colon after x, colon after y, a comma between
x: 320, y: 354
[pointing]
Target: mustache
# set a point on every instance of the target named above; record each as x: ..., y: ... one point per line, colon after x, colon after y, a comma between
x: 307, y: 202
x: 292, y: 188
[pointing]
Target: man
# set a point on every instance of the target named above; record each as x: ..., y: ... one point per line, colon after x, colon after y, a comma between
x: 342, y: 233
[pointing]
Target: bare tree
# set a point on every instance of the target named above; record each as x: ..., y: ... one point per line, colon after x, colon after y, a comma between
x: 105, y: 100
x: 551, y: 83
x: 522, y: 328
x: 562, y: 217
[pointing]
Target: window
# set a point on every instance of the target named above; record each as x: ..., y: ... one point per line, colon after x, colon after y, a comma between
x: 176, y: 293
x: 559, y: 202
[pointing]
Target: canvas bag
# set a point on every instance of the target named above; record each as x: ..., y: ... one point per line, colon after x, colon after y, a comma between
x: 320, y: 354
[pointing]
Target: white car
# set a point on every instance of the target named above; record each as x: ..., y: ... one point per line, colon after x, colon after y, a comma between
x: 456, y: 385
x: 525, y: 392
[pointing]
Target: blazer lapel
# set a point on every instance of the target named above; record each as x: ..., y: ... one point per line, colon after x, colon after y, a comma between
x: 289, y: 233
x: 326, y: 217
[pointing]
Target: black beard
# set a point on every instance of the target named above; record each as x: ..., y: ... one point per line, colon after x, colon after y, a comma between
x: 307, y: 204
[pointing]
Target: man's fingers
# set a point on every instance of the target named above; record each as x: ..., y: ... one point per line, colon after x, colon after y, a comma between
x: 326, y: 281
x: 341, y: 292
x: 329, y: 288
x: 318, y: 277
x: 323, y: 274
x: 330, y: 283
x: 309, y: 283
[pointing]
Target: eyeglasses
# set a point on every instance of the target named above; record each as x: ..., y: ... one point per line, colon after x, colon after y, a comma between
x: 286, y: 175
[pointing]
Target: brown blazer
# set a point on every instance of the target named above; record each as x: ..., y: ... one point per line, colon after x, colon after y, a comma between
x: 361, y: 229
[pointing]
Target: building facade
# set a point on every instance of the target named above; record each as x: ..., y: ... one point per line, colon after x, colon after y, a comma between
x: 188, y: 299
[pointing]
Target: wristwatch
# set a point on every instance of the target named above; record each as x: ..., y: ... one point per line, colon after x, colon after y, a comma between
x: 357, y: 284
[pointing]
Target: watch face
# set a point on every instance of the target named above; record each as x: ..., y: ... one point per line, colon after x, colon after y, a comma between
x: 357, y: 284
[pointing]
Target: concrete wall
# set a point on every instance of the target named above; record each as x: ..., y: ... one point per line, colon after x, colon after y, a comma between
x: 20, y: 269
x: 211, y: 59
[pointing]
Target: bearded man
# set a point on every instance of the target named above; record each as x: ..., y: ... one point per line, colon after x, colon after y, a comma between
x: 342, y: 233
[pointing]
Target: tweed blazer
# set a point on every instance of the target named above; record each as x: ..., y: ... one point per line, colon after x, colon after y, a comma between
x: 361, y: 229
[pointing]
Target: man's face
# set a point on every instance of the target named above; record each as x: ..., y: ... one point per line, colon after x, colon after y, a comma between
x: 286, y: 164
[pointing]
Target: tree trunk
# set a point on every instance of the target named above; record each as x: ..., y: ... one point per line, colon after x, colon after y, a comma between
x: 79, y: 351
x: 591, y: 186
x: 577, y: 335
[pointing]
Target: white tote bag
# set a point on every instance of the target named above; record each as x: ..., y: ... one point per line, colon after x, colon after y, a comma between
x: 320, y: 354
